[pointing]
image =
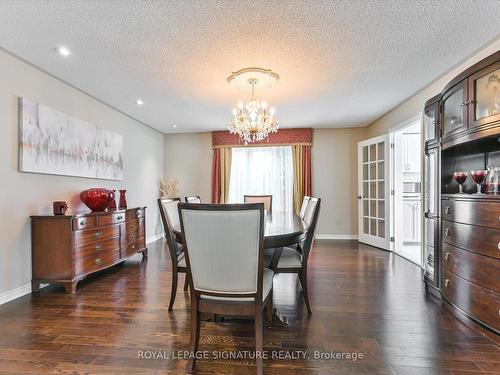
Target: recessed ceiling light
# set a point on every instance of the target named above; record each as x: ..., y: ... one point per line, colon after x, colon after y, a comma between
x: 63, y: 51
x: 174, y: 126
x: 139, y: 102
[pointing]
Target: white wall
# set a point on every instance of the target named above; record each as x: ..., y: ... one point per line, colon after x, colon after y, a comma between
x: 25, y: 194
x: 335, y: 178
x: 188, y: 158
x: 415, y: 103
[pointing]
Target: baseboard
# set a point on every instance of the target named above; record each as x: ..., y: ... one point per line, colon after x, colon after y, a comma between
x: 327, y: 236
x: 154, y: 238
x: 17, y: 292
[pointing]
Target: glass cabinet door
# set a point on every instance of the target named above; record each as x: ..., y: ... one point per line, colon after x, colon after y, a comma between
x: 484, y: 90
x: 431, y: 214
x: 430, y: 123
x: 454, y: 110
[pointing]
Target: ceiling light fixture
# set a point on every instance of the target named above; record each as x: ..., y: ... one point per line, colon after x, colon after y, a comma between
x: 63, y: 51
x: 139, y: 102
x: 174, y: 126
x: 252, y: 120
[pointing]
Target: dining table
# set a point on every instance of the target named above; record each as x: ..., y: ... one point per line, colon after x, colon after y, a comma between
x: 281, y: 229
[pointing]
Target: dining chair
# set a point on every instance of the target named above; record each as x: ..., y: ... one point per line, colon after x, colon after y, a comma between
x: 170, y: 218
x: 225, y: 265
x: 303, y: 208
x: 193, y: 199
x: 295, y: 260
x: 266, y: 199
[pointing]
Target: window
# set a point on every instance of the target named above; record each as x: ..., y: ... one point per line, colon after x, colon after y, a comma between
x: 262, y: 170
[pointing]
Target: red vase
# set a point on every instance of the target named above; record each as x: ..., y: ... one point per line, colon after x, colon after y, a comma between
x: 112, y: 204
x: 123, y: 200
x: 97, y: 199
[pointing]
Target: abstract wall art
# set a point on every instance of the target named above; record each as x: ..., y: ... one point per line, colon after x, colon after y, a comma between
x: 51, y: 142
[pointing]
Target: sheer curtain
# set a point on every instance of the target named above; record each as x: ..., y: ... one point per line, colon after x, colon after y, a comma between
x: 262, y: 170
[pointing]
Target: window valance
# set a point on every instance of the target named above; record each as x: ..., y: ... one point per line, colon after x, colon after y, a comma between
x: 299, y: 136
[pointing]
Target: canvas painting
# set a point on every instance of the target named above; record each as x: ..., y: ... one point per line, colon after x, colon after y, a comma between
x: 54, y: 143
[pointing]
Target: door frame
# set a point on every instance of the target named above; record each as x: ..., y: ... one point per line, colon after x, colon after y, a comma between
x: 396, y: 183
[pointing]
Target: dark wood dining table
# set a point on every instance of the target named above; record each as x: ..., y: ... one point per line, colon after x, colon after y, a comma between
x: 280, y: 230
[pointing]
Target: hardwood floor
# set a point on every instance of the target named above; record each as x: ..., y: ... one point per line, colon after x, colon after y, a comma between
x: 364, y: 300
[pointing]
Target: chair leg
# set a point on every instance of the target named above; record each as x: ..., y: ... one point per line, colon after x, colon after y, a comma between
x: 175, y: 276
x: 186, y: 282
x: 303, y: 283
x: 195, y: 333
x: 259, y: 338
x: 269, y: 308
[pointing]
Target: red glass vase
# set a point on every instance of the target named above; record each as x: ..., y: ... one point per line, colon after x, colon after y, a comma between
x: 123, y: 200
x: 112, y: 204
x: 97, y: 199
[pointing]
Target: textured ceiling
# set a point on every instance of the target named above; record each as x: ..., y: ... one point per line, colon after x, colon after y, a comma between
x: 341, y: 63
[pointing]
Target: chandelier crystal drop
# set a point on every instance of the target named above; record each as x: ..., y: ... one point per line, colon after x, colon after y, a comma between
x: 253, y: 121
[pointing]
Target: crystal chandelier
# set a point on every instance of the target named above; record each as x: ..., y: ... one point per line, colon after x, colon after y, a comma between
x: 252, y: 120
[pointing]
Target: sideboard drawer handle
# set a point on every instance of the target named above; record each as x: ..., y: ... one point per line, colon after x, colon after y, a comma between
x: 132, y: 247
x: 98, y: 234
x: 446, y: 256
x: 119, y: 217
x: 447, y: 283
x: 447, y: 232
x: 447, y: 210
x: 82, y: 223
x: 132, y: 227
x: 132, y: 237
x: 498, y: 246
x: 98, y: 260
x: 98, y: 247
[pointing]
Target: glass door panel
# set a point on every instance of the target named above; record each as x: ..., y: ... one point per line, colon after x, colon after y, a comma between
x: 373, y: 183
x: 454, y: 119
x: 430, y: 123
x: 484, y: 88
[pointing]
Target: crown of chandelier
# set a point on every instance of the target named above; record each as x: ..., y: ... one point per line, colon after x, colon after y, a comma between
x: 252, y: 120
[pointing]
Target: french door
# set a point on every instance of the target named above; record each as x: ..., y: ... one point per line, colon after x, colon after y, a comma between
x: 374, y: 192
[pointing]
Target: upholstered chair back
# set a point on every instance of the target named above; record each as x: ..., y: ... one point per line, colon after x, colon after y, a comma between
x: 266, y: 199
x: 310, y: 210
x: 194, y: 199
x: 224, y: 245
x: 303, y: 208
x: 170, y: 218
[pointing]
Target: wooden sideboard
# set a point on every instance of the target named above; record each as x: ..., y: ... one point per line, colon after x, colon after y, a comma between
x: 67, y: 248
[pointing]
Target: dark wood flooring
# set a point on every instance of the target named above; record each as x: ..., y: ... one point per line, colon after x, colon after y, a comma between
x: 363, y: 299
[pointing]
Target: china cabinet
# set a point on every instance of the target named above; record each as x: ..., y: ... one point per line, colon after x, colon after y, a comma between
x: 461, y: 232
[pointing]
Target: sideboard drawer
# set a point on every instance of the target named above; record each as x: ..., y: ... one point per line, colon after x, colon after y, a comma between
x: 95, y: 262
x: 477, y: 269
x: 133, y: 247
x: 132, y: 230
x: 114, y: 218
x: 136, y: 213
x: 84, y: 222
x: 480, y: 240
x: 476, y: 301
x: 482, y: 213
x: 84, y: 237
x: 98, y: 248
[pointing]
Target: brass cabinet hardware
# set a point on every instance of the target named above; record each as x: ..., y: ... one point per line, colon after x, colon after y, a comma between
x: 98, y: 260
x: 446, y: 256
x: 447, y: 283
